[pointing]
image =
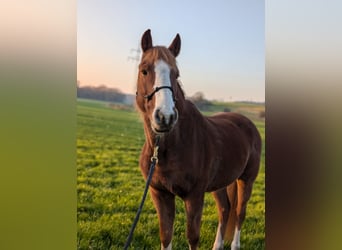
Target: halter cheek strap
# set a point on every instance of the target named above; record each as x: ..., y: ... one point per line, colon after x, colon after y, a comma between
x: 156, y: 89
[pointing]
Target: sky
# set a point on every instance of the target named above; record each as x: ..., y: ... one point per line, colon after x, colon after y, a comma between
x: 222, y: 53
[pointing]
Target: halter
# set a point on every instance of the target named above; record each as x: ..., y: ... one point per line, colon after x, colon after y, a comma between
x: 156, y: 89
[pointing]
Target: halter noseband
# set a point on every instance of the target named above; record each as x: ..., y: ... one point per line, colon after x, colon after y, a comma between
x: 156, y: 89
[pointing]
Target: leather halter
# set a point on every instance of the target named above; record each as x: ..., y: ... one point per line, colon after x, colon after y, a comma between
x: 156, y: 89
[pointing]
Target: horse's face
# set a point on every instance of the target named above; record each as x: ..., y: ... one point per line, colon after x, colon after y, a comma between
x: 156, y: 84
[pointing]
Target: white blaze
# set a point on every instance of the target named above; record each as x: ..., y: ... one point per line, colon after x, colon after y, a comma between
x: 164, y: 98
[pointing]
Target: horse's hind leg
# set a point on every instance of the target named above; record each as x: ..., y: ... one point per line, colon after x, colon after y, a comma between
x: 223, y: 208
x: 164, y: 203
x: 244, y: 191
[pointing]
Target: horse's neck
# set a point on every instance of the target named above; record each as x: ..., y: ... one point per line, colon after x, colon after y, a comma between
x: 190, y: 123
x: 191, y: 116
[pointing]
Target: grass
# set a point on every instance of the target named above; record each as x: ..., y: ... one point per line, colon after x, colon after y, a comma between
x: 110, y: 186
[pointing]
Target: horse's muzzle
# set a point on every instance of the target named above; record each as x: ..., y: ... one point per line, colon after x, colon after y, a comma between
x: 163, y: 122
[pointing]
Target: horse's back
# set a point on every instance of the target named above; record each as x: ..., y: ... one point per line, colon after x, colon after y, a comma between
x: 237, y: 141
x: 237, y: 125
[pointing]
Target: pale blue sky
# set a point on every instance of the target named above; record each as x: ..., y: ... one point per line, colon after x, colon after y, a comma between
x: 222, y: 52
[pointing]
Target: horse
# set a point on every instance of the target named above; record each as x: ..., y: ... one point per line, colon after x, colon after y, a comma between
x: 197, y: 154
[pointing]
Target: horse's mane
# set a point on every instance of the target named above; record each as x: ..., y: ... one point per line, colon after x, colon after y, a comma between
x: 179, y: 92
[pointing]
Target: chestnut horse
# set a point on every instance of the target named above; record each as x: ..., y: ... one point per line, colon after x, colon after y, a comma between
x: 197, y: 154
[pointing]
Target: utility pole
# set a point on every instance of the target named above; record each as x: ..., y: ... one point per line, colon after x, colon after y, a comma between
x: 137, y: 55
x: 135, y: 58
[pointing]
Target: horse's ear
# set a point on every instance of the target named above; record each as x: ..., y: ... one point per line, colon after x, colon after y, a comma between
x: 146, y: 40
x: 175, y: 45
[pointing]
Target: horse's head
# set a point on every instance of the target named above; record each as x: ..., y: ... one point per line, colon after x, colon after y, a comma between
x: 157, y: 83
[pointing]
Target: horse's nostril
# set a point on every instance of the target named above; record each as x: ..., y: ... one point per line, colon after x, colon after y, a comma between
x: 165, y: 120
x: 171, y: 119
x: 159, y: 117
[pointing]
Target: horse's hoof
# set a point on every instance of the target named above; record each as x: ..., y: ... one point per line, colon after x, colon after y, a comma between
x: 232, y: 247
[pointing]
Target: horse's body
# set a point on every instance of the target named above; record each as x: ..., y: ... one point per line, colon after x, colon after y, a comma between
x: 197, y: 154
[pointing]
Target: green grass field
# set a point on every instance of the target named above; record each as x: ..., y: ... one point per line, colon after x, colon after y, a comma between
x: 110, y: 186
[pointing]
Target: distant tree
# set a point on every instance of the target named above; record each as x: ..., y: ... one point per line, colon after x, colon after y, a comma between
x: 198, y: 96
x: 199, y: 100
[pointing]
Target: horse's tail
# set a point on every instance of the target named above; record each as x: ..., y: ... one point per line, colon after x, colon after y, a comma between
x: 232, y: 196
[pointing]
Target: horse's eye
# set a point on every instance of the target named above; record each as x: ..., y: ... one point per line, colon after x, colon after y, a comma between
x: 144, y: 72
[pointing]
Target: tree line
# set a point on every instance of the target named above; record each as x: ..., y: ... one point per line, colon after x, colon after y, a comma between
x: 102, y: 93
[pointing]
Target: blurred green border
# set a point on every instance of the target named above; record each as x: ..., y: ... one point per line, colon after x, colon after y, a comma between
x: 38, y: 125
x: 38, y: 122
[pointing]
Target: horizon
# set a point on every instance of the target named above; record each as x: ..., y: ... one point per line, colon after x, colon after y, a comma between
x: 222, y: 53
x: 187, y: 96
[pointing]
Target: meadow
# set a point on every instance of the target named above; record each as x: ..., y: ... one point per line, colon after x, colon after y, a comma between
x: 110, y: 185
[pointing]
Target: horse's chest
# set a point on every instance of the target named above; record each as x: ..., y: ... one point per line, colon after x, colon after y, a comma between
x: 176, y: 182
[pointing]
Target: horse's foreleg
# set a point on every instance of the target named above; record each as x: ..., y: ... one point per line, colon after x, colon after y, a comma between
x: 164, y: 202
x: 194, y: 207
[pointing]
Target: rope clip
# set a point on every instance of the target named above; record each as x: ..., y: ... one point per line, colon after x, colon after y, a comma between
x: 154, y: 158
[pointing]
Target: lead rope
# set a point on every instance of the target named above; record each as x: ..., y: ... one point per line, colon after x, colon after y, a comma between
x: 154, y: 161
